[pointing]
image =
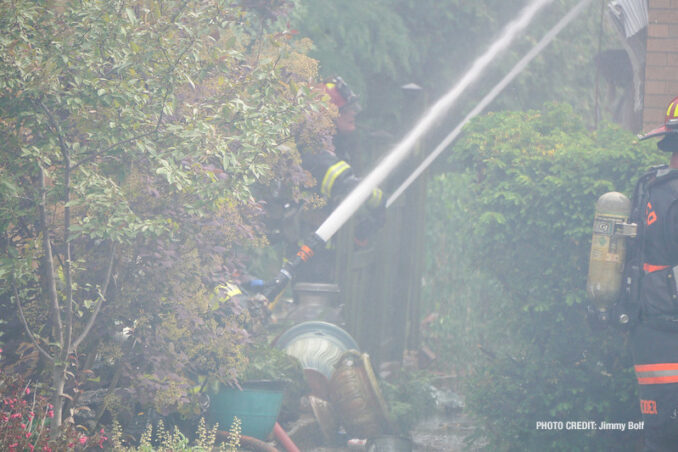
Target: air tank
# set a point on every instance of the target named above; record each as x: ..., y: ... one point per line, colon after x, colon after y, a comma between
x: 608, y: 250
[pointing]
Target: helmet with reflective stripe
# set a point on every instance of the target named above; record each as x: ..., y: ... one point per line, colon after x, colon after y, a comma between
x: 341, y: 95
x: 670, y: 122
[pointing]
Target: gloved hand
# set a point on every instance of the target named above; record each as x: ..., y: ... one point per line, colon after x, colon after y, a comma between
x: 373, y: 220
x: 254, y: 285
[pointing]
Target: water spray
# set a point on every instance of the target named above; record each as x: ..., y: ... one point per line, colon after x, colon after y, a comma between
x: 517, y: 69
x: 363, y: 190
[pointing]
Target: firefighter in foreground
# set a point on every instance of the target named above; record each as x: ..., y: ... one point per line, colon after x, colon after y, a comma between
x: 647, y: 290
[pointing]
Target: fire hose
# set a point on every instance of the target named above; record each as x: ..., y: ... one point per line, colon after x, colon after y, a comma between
x: 357, y: 197
x: 262, y: 446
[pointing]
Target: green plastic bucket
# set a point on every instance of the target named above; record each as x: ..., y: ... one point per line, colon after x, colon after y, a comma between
x: 257, y: 406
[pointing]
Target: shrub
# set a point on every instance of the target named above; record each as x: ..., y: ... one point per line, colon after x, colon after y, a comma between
x: 508, y: 247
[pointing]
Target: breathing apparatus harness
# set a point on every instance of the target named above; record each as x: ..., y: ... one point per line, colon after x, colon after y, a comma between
x: 628, y: 311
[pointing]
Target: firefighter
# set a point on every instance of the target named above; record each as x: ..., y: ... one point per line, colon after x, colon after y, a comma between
x: 654, y: 337
x: 335, y: 178
x: 333, y: 172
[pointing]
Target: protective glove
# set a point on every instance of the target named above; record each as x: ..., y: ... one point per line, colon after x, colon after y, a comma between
x: 373, y: 221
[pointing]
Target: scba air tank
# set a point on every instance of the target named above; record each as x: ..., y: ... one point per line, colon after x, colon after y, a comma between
x: 608, y: 249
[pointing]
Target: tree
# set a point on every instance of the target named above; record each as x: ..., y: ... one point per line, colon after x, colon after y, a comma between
x: 381, y: 46
x: 134, y: 135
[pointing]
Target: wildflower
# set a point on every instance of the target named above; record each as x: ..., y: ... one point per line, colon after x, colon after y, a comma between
x: 46, y: 449
x: 28, y: 390
x: 23, y: 426
x: 83, y: 440
x: 31, y: 447
x: 50, y: 413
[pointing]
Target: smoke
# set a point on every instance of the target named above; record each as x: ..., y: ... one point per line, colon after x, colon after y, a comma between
x: 360, y: 193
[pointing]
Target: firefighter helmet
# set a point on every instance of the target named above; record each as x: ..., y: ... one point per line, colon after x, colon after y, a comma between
x: 670, y: 122
x: 341, y: 95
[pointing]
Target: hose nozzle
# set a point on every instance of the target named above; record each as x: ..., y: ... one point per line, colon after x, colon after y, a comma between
x: 304, y: 254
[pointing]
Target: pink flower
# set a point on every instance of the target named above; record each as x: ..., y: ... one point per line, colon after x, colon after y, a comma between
x: 31, y: 447
x: 50, y: 413
x: 82, y: 439
x: 23, y: 426
x: 28, y: 390
x: 46, y: 449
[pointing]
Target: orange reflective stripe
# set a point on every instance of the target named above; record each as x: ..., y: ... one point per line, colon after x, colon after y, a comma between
x: 649, y: 268
x: 654, y: 367
x: 305, y: 253
x: 655, y: 374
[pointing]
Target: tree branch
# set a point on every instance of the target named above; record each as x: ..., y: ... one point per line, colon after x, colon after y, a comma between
x: 49, y: 260
x: 102, y: 298
x: 56, y: 130
x: 94, y: 155
x: 42, y: 351
x: 67, y: 256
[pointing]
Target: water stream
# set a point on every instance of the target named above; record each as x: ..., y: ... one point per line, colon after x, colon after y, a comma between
x: 517, y: 69
x: 362, y: 191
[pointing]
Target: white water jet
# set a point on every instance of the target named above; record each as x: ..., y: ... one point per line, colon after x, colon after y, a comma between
x: 362, y: 191
x: 517, y: 69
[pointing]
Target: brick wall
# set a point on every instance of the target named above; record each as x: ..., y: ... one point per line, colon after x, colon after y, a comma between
x: 661, y: 66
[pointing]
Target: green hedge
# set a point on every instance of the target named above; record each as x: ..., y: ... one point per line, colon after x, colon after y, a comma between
x: 508, y: 240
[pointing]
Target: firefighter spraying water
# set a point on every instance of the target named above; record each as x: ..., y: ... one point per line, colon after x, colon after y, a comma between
x: 355, y: 199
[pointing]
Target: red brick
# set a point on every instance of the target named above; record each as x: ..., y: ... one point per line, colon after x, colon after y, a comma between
x: 657, y: 101
x: 657, y: 58
x: 658, y: 31
x: 663, y: 16
x: 654, y: 117
x: 659, y: 4
x: 655, y: 87
x: 672, y: 59
x: 661, y: 72
x: 662, y: 45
